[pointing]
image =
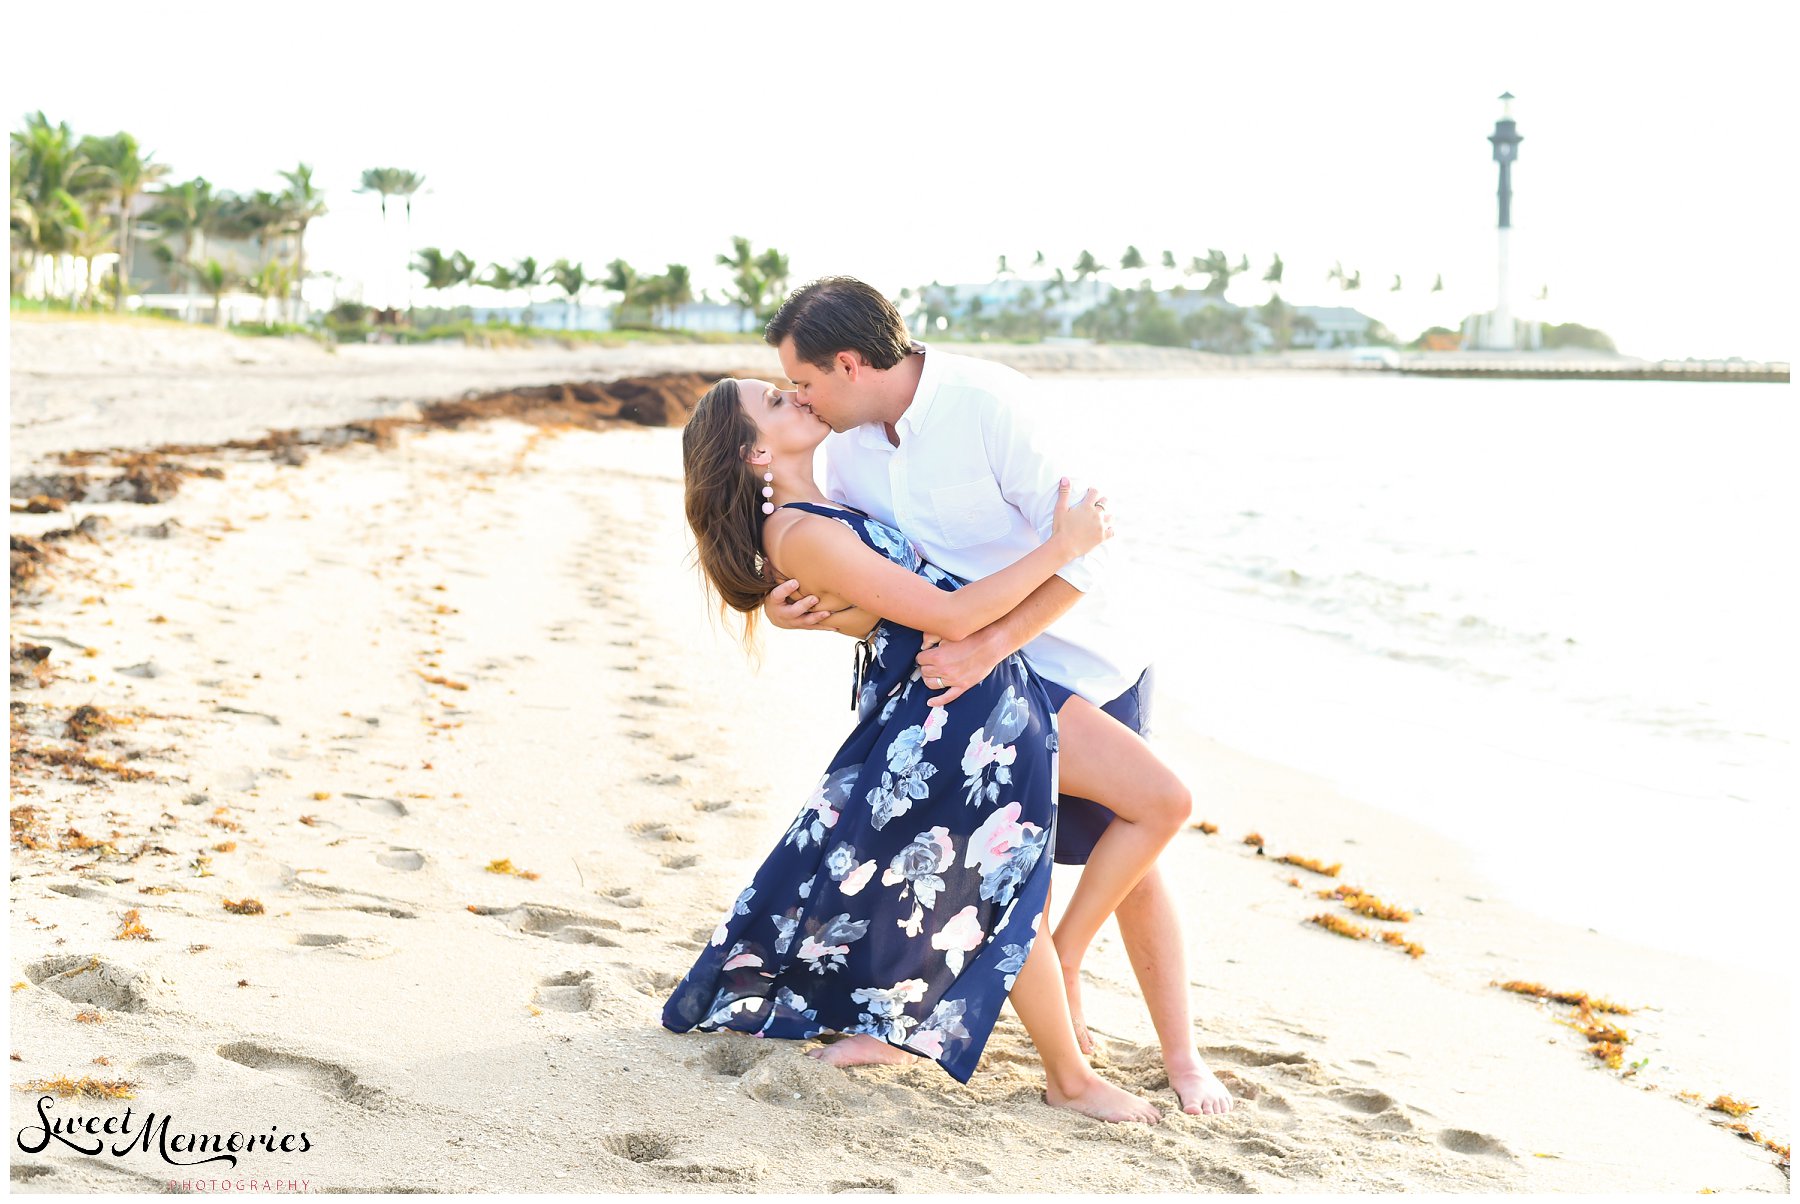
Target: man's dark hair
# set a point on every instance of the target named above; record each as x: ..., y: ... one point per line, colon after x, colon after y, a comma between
x: 840, y: 313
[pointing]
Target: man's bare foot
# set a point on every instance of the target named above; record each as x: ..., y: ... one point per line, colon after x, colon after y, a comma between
x: 859, y: 1050
x: 1103, y: 1101
x: 1199, y: 1090
x: 1072, y: 987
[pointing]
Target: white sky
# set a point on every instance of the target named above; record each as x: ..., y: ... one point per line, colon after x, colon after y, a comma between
x: 909, y: 142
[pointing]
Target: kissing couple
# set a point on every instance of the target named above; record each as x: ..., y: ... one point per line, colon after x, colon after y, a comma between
x: 1001, y: 701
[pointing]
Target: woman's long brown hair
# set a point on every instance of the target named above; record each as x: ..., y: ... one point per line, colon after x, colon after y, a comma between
x: 724, y: 502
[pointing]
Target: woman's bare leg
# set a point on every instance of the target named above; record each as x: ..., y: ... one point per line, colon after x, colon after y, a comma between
x: 1151, y: 929
x: 1103, y: 760
x: 1038, y: 998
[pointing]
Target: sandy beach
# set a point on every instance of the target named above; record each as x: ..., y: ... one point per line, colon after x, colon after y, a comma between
x: 378, y: 782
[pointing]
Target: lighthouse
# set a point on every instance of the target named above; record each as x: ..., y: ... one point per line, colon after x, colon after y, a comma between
x: 1496, y: 331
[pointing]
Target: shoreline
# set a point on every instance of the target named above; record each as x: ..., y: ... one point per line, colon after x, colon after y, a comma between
x: 377, y: 698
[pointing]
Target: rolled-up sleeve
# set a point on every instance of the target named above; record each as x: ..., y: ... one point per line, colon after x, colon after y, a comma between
x: 1028, y: 466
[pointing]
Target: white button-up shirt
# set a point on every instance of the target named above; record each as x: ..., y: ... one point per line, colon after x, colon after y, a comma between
x: 974, y: 485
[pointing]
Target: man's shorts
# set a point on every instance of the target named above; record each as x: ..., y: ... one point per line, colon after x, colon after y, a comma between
x: 1079, y: 821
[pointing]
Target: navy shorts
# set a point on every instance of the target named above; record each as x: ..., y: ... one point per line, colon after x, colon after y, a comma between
x: 1079, y: 821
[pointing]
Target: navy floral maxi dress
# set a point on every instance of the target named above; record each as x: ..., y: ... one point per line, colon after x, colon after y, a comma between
x: 906, y: 893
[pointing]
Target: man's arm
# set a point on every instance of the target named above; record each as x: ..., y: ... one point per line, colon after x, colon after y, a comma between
x: 966, y: 662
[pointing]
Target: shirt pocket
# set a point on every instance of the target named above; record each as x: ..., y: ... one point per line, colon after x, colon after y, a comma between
x: 971, y: 513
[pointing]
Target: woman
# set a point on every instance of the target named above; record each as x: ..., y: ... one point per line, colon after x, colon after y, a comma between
x: 907, y: 898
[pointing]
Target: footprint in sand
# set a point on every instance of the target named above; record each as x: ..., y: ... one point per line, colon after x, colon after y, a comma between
x: 664, y: 779
x: 680, y: 861
x: 657, y: 830
x: 621, y: 896
x: 1256, y: 1057
x: 1369, y: 1102
x: 555, y: 923
x: 391, y: 808
x: 401, y: 859
x: 655, y: 700
x: 1465, y: 1141
x: 712, y: 804
x: 731, y: 1056
x: 164, y: 1069
x: 570, y: 991
x: 93, y: 980
x: 638, y: 1147
x: 658, y: 983
x: 314, y: 1074
x: 874, y: 1186
x: 640, y: 735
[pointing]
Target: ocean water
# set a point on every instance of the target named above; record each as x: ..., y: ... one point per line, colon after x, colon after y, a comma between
x: 1552, y: 620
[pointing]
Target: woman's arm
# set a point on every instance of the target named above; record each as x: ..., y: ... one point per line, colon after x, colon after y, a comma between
x: 834, y: 560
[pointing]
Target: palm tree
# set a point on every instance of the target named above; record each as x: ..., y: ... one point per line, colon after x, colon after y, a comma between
x: 571, y: 278
x: 89, y: 234
x: 304, y: 204
x: 499, y: 278
x: 1437, y: 286
x: 622, y: 278
x: 772, y: 265
x: 527, y: 275
x: 57, y: 179
x: 1217, y: 270
x: 1087, y: 267
x: 128, y: 172
x: 22, y: 224
x: 677, y: 288
x: 391, y: 181
x: 745, y: 279
x: 1273, y: 275
x: 271, y: 282
x: 1396, y: 287
x: 407, y: 183
x: 217, y: 280
x: 187, y: 211
x: 440, y: 270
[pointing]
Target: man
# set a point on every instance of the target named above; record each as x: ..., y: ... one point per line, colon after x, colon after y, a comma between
x: 944, y: 448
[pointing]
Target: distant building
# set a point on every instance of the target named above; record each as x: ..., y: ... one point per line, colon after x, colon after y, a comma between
x: 956, y: 304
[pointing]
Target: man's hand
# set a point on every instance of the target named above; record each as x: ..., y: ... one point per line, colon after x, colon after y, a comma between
x: 795, y: 615
x: 958, y: 665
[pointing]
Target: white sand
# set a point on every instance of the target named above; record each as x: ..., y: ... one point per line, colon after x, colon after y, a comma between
x: 613, y: 742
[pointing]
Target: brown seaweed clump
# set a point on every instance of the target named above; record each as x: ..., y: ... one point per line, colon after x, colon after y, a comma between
x: 504, y: 865
x: 1255, y: 838
x: 87, y: 720
x: 86, y: 1087
x: 131, y: 928
x: 30, y: 664
x: 1412, y: 950
x: 1729, y: 1106
x: 1206, y: 829
x: 243, y: 907
x: 1308, y: 863
x: 1341, y: 926
x: 1375, y: 909
x: 1574, y: 998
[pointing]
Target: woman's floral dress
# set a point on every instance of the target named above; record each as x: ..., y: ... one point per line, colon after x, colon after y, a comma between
x: 907, y: 891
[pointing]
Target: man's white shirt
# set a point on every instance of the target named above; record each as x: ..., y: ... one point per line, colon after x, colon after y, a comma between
x: 973, y: 484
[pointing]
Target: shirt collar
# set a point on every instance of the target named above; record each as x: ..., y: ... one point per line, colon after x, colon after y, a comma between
x: 926, y: 392
x: 873, y: 435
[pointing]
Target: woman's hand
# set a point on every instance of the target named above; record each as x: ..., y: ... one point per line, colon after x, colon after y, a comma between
x: 792, y: 613
x: 1082, y: 527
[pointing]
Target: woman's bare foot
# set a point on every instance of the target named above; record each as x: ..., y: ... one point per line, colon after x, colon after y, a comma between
x: 1198, y: 1089
x: 1103, y: 1101
x: 1072, y: 987
x: 859, y: 1050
